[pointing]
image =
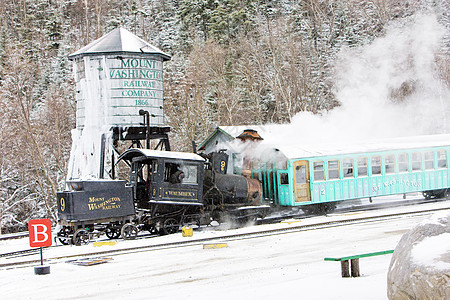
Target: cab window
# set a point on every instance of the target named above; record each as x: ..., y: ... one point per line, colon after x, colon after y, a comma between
x: 180, y: 173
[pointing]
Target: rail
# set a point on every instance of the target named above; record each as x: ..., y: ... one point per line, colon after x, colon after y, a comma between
x: 237, y: 236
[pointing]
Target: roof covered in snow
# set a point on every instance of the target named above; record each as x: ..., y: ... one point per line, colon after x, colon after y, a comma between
x: 294, y: 150
x: 233, y: 132
x: 292, y: 146
x: 135, y: 152
x: 119, y: 40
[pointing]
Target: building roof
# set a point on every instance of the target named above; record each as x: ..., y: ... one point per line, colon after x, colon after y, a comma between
x: 118, y: 41
x: 234, y: 131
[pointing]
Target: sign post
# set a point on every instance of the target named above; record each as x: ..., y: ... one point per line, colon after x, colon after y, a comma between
x: 40, y: 233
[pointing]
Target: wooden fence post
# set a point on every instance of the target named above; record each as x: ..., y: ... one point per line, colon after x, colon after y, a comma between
x: 344, y: 268
x: 355, y: 267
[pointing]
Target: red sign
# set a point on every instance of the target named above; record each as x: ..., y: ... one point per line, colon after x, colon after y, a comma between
x: 40, y: 233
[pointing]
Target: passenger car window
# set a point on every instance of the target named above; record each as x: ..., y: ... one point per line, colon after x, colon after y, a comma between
x: 318, y: 171
x: 429, y: 160
x: 403, y: 165
x: 300, y: 174
x: 348, y: 167
x: 416, y: 161
x: 442, y: 159
x: 333, y: 169
x: 389, y: 164
x: 284, y: 178
x: 376, y: 165
x: 362, y: 166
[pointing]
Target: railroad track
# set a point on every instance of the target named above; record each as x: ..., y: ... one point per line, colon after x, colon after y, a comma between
x: 353, y: 208
x: 229, y: 237
x: 299, y: 215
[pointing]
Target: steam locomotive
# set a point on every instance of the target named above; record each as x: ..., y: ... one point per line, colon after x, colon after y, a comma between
x: 165, y: 190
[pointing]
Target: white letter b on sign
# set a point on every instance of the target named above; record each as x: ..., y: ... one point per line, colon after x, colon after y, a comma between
x: 38, y: 233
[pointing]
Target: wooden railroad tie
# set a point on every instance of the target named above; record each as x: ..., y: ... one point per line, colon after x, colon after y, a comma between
x: 90, y: 261
x: 354, y: 262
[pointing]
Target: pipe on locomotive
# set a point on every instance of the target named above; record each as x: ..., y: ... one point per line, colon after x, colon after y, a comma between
x: 147, y: 124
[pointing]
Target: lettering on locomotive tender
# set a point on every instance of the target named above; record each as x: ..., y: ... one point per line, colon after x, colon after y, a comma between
x: 96, y: 203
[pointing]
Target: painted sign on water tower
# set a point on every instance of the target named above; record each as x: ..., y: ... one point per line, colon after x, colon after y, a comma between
x: 116, y: 76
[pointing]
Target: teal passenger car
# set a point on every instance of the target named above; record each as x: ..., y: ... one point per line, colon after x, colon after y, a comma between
x: 317, y: 177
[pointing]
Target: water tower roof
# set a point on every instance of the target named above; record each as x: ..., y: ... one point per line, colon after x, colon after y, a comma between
x: 118, y: 41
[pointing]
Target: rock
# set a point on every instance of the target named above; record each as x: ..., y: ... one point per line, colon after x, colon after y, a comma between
x: 420, y: 265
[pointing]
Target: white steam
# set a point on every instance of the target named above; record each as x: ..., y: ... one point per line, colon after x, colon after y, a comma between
x: 388, y: 88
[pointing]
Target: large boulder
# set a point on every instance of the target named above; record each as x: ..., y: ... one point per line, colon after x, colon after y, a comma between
x: 420, y: 265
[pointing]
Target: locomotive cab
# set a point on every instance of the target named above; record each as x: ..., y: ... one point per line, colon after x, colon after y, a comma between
x: 162, y: 177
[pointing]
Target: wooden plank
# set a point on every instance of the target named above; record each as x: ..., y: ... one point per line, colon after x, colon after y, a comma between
x: 215, y: 246
x: 90, y: 261
x: 105, y: 243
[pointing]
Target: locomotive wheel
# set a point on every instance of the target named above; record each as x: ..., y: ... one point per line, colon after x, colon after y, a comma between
x: 170, y: 226
x: 63, y: 236
x: 81, y: 237
x: 129, y: 231
x: 112, y: 232
x: 152, y: 229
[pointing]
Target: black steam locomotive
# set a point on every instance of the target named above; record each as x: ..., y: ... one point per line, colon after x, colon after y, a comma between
x: 165, y: 190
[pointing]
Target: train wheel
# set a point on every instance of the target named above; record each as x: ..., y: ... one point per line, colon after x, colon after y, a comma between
x: 427, y: 195
x: 63, y: 235
x: 81, y: 237
x: 170, y: 226
x: 129, y: 231
x: 435, y: 194
x: 112, y: 232
x: 321, y: 208
x: 327, y: 208
x: 152, y: 229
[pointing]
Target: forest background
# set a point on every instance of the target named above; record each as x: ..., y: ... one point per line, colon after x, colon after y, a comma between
x: 234, y: 62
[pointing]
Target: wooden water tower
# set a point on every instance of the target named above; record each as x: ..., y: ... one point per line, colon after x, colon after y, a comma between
x: 119, y: 92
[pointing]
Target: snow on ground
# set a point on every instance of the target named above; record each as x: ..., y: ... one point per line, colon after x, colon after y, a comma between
x: 280, y: 266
